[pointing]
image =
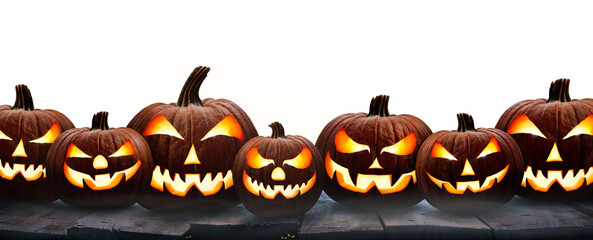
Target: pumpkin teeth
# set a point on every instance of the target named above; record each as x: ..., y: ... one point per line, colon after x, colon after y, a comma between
x: 568, y: 181
x: 473, y: 186
x: 31, y: 173
x: 365, y: 182
x: 100, y: 181
x: 270, y: 191
x: 179, y: 187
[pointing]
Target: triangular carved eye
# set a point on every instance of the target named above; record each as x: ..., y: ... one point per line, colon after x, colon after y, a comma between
x: 404, y: 146
x: 75, y: 152
x: 50, y: 136
x: 229, y: 126
x: 491, y: 148
x: 585, y: 127
x: 438, y: 151
x: 127, y: 149
x: 4, y: 137
x: 522, y: 124
x: 301, y: 161
x: 160, y: 125
x: 255, y: 160
x: 345, y: 144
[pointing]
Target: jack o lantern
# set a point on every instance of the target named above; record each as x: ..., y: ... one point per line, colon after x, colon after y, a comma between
x: 556, y: 139
x: 277, y: 176
x: 26, y: 134
x: 370, y: 158
x: 469, y: 169
x: 99, y: 167
x: 193, y: 144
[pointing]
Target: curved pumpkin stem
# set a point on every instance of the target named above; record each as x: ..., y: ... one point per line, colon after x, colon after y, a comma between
x: 379, y: 106
x: 559, y: 91
x: 189, y: 92
x: 277, y: 130
x: 23, y: 98
x: 100, y: 121
x: 465, y: 122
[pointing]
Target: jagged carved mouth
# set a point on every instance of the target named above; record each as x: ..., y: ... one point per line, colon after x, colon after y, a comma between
x: 568, y: 181
x: 30, y: 172
x: 270, y: 191
x: 473, y: 186
x: 364, y: 182
x: 203, y: 182
x: 100, y: 181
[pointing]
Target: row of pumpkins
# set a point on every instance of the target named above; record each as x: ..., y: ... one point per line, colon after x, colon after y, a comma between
x: 206, y: 155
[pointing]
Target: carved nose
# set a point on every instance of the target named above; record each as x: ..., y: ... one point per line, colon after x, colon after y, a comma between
x: 100, y: 162
x: 20, y: 150
x: 278, y: 174
x: 192, y: 157
x: 554, y: 155
x: 467, y: 169
x: 376, y: 164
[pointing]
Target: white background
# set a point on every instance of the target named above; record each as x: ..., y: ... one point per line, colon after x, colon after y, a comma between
x: 301, y: 63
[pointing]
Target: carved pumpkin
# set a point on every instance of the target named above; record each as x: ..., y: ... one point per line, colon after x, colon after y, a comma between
x: 26, y: 134
x: 277, y: 176
x: 469, y: 169
x: 99, y: 167
x: 193, y: 144
x: 556, y: 139
x: 370, y: 158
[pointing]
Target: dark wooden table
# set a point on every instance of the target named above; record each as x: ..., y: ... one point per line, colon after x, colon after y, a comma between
x: 520, y: 219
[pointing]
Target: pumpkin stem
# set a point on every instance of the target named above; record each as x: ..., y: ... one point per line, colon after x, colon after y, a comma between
x: 23, y: 98
x: 379, y: 106
x: 189, y: 92
x: 100, y: 121
x: 277, y: 130
x: 559, y: 91
x: 465, y: 122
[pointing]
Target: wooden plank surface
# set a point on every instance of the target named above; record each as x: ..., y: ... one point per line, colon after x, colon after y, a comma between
x: 525, y: 219
x: 426, y: 222
x: 331, y: 220
x: 239, y: 223
x: 25, y: 221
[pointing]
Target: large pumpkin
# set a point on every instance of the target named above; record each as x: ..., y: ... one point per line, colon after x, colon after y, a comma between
x: 277, y: 176
x: 193, y: 144
x: 99, y: 167
x: 370, y: 158
x: 26, y: 134
x: 556, y: 139
x: 469, y: 169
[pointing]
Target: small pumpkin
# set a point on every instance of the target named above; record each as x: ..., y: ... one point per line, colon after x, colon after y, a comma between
x: 99, y: 167
x: 277, y: 176
x: 193, y: 144
x: 556, y: 139
x: 26, y: 134
x: 370, y: 158
x: 469, y: 169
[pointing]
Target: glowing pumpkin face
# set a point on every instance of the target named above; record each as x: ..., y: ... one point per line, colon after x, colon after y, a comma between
x: 555, y: 136
x: 468, y: 168
x: 277, y: 175
x: 372, y: 157
x: 193, y: 144
x: 26, y: 134
x: 100, y: 167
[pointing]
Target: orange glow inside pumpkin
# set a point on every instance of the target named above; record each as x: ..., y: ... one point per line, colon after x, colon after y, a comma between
x: 301, y: 161
x: 491, y: 148
x: 584, y: 127
x: 438, y: 151
x: 467, y: 169
x: 569, y: 181
x: 473, y: 186
x: 50, y: 136
x: 522, y: 124
x: 255, y: 160
x: 404, y: 146
x: 345, y: 144
x: 127, y: 149
x: 4, y: 137
x: 160, y: 125
x: 192, y: 157
x: 75, y: 152
x: 229, y: 126
x: 20, y: 150
x: 101, y: 181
